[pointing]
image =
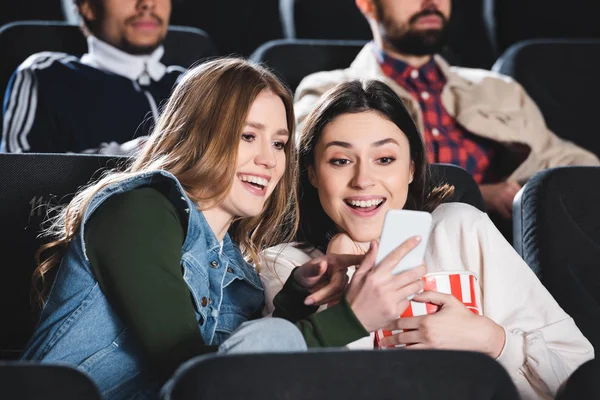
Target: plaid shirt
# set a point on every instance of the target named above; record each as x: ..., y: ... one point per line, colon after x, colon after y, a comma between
x: 446, y: 140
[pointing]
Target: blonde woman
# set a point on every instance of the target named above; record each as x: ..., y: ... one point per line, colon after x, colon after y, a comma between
x: 156, y: 263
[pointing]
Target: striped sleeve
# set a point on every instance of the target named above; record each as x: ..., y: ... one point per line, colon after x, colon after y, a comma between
x: 21, y: 105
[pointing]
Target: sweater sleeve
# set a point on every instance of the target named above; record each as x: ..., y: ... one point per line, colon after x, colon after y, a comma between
x: 334, y: 327
x: 543, y: 345
x: 278, y: 262
x: 133, y: 242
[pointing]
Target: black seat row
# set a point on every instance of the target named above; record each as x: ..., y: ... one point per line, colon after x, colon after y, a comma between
x: 555, y: 219
x: 32, y: 184
x: 479, y: 32
x: 558, y: 236
x: 357, y: 375
x: 560, y: 75
x: 567, y: 104
x: 331, y: 374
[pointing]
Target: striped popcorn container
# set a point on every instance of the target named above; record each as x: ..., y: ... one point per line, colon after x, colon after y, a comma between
x: 462, y: 284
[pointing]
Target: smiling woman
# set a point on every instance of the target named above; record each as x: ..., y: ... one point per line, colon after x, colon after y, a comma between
x: 372, y: 168
x: 261, y: 158
x: 351, y: 153
x: 157, y: 263
x: 361, y: 156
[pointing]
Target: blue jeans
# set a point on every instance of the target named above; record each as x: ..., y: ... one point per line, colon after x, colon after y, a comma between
x: 265, y: 335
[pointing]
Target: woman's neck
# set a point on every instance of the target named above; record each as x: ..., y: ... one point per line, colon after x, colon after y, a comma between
x: 342, y: 243
x: 219, y: 221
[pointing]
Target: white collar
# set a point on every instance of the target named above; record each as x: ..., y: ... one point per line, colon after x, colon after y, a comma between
x: 105, y: 57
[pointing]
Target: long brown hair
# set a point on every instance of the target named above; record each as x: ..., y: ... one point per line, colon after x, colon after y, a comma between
x: 316, y: 228
x: 196, y: 139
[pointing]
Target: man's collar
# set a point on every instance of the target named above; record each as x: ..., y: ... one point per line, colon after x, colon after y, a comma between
x: 366, y: 66
x: 141, y: 68
x: 399, y: 69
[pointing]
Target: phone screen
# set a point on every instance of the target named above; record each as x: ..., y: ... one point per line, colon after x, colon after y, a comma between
x: 399, y: 226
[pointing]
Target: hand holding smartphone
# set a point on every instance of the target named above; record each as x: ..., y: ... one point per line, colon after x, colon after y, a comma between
x: 399, y: 226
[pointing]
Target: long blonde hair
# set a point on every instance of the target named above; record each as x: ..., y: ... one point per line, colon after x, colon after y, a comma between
x: 196, y: 139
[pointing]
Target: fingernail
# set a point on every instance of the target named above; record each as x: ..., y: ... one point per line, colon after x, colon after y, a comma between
x: 309, y: 302
x: 409, y: 298
x: 417, y: 239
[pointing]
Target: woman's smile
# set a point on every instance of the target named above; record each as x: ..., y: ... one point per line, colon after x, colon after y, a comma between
x: 364, y: 206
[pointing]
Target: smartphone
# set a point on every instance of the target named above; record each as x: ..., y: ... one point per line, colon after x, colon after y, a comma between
x: 398, y: 226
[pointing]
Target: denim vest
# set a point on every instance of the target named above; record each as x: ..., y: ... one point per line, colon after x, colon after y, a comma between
x: 79, y: 327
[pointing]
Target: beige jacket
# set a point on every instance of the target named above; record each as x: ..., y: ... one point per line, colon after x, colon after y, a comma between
x: 485, y: 103
x: 543, y: 345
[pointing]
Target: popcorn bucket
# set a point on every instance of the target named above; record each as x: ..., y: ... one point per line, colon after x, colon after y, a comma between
x: 461, y: 284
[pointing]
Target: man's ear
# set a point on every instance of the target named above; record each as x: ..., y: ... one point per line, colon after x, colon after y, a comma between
x: 87, y: 11
x: 312, y: 177
x: 366, y: 7
x: 412, y: 172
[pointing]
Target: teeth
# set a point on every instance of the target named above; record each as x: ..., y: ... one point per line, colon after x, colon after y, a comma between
x: 254, y: 179
x: 365, y: 204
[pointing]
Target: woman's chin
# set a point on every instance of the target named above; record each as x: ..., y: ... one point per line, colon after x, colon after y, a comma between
x: 362, y: 237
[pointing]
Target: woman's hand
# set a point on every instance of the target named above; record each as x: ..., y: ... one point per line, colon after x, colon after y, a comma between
x: 452, y: 327
x: 325, y: 277
x: 375, y: 295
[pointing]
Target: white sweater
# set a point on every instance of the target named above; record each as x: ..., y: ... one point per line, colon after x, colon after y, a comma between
x: 543, y: 345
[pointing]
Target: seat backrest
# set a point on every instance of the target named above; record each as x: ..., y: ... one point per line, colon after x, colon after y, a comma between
x: 332, y: 20
x: 561, y: 76
x: 516, y: 20
x: 557, y: 232
x: 29, y: 184
x: 583, y: 383
x: 339, y: 374
x: 293, y: 59
x: 236, y: 26
x: 11, y: 11
x: 469, y: 43
x: 183, y: 45
x: 23, y: 380
x: 466, y: 189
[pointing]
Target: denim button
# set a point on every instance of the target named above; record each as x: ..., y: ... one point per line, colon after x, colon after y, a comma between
x: 214, y: 264
x: 230, y: 270
x: 204, y: 301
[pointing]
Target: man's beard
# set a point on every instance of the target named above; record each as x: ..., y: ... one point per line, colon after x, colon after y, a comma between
x: 126, y: 45
x: 138, y: 50
x: 416, y: 42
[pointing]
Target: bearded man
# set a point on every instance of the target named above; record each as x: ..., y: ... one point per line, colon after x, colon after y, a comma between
x: 479, y: 120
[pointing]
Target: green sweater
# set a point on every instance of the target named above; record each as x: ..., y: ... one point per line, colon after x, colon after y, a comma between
x: 133, y: 242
